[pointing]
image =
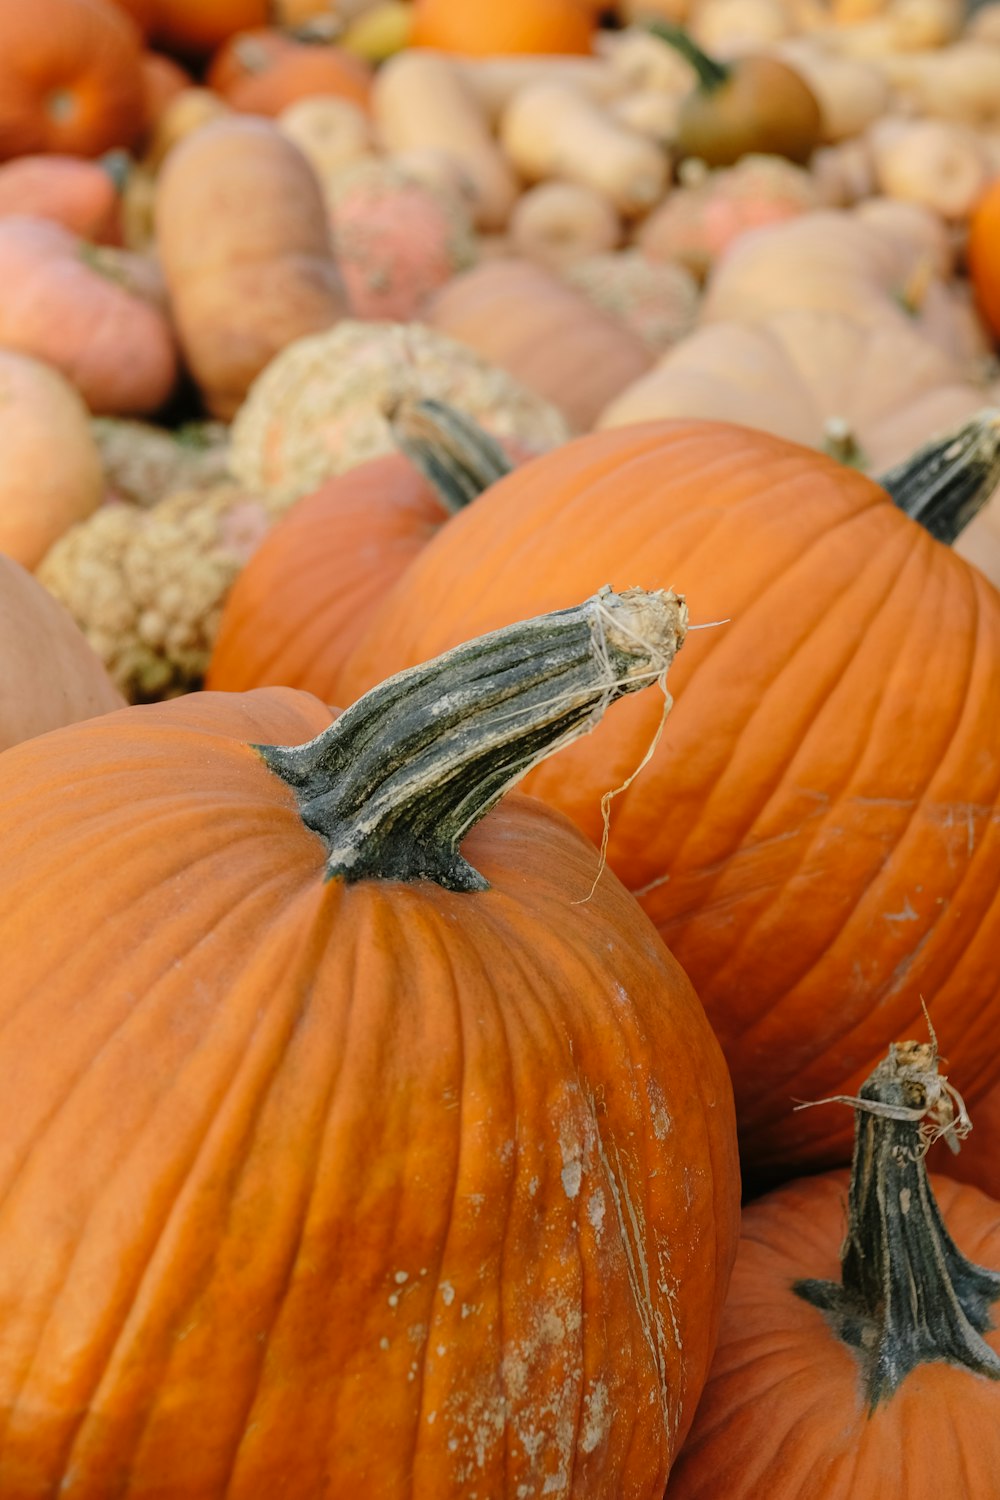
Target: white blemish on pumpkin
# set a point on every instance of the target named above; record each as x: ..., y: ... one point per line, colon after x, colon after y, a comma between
x: 533, y: 1187
x: 383, y: 1343
x: 447, y: 1293
x: 659, y: 1115
x: 572, y: 1176
x: 596, y: 1423
x: 906, y: 915
x: 596, y: 1211
x: 401, y: 1276
x: 417, y: 1333
x: 431, y: 1415
x: 442, y: 1349
x: 394, y: 1299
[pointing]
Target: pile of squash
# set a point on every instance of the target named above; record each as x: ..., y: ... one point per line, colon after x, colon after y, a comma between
x: 500, y: 722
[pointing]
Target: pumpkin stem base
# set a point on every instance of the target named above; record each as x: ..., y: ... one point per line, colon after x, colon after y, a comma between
x: 907, y: 1293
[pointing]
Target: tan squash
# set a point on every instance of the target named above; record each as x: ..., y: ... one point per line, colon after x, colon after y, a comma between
x: 51, y: 474
x: 493, y: 81
x: 545, y: 334
x: 419, y: 101
x: 552, y: 130
x: 960, y: 82
x: 832, y: 261
x: 657, y: 302
x: 867, y: 389
x: 49, y: 676
x: 556, y: 223
x: 728, y: 27
x: 187, y: 111
x: 330, y: 132
x: 260, y: 272
x: 938, y: 163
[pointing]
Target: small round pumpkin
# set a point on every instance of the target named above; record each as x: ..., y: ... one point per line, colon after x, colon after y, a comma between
x: 263, y: 72
x: 70, y: 78
x: 303, y: 1102
x: 80, y: 195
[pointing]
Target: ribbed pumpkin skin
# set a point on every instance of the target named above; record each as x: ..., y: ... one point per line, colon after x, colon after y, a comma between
x: 317, y: 1191
x: 301, y: 604
x: 783, y: 1415
x: 817, y: 835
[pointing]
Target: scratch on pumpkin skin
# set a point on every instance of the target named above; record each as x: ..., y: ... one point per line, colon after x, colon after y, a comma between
x: 631, y: 1226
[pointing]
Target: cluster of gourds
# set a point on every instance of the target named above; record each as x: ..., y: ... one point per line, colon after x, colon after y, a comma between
x: 483, y: 370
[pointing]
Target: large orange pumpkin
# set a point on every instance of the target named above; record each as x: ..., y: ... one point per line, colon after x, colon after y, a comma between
x: 70, y: 78
x: 262, y: 72
x: 196, y: 27
x: 984, y: 256
x: 304, y: 599
x: 817, y: 835
x: 335, y: 1164
x: 882, y: 1378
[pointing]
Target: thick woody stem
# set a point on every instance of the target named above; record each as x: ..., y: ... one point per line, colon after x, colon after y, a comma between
x: 453, y: 453
x: 907, y: 1294
x: 395, y: 784
x: 949, y: 480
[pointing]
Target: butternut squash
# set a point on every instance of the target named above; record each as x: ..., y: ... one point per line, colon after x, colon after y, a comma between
x: 420, y: 100
x: 551, y: 130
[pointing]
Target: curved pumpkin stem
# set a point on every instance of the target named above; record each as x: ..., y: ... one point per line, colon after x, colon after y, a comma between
x: 395, y: 784
x: 949, y: 480
x: 711, y: 73
x: 455, y: 455
x: 907, y: 1294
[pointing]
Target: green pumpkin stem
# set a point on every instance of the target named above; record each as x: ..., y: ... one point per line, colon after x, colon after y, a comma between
x: 907, y: 1294
x: 712, y: 74
x: 453, y: 453
x: 949, y: 480
x: 394, y: 785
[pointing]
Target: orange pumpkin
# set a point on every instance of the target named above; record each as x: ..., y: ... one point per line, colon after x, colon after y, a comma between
x: 820, y: 816
x: 263, y: 72
x: 299, y: 1110
x: 302, y: 602
x: 480, y: 28
x: 49, y: 676
x: 70, y: 78
x: 194, y: 28
x: 983, y: 256
x: 163, y: 80
x: 63, y: 303
x: 881, y: 1378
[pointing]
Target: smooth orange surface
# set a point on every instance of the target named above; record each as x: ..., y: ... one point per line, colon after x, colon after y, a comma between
x: 302, y: 602
x: 783, y: 1415
x: 983, y: 256
x: 482, y: 27
x: 317, y: 1191
x: 70, y: 78
x: 817, y: 835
